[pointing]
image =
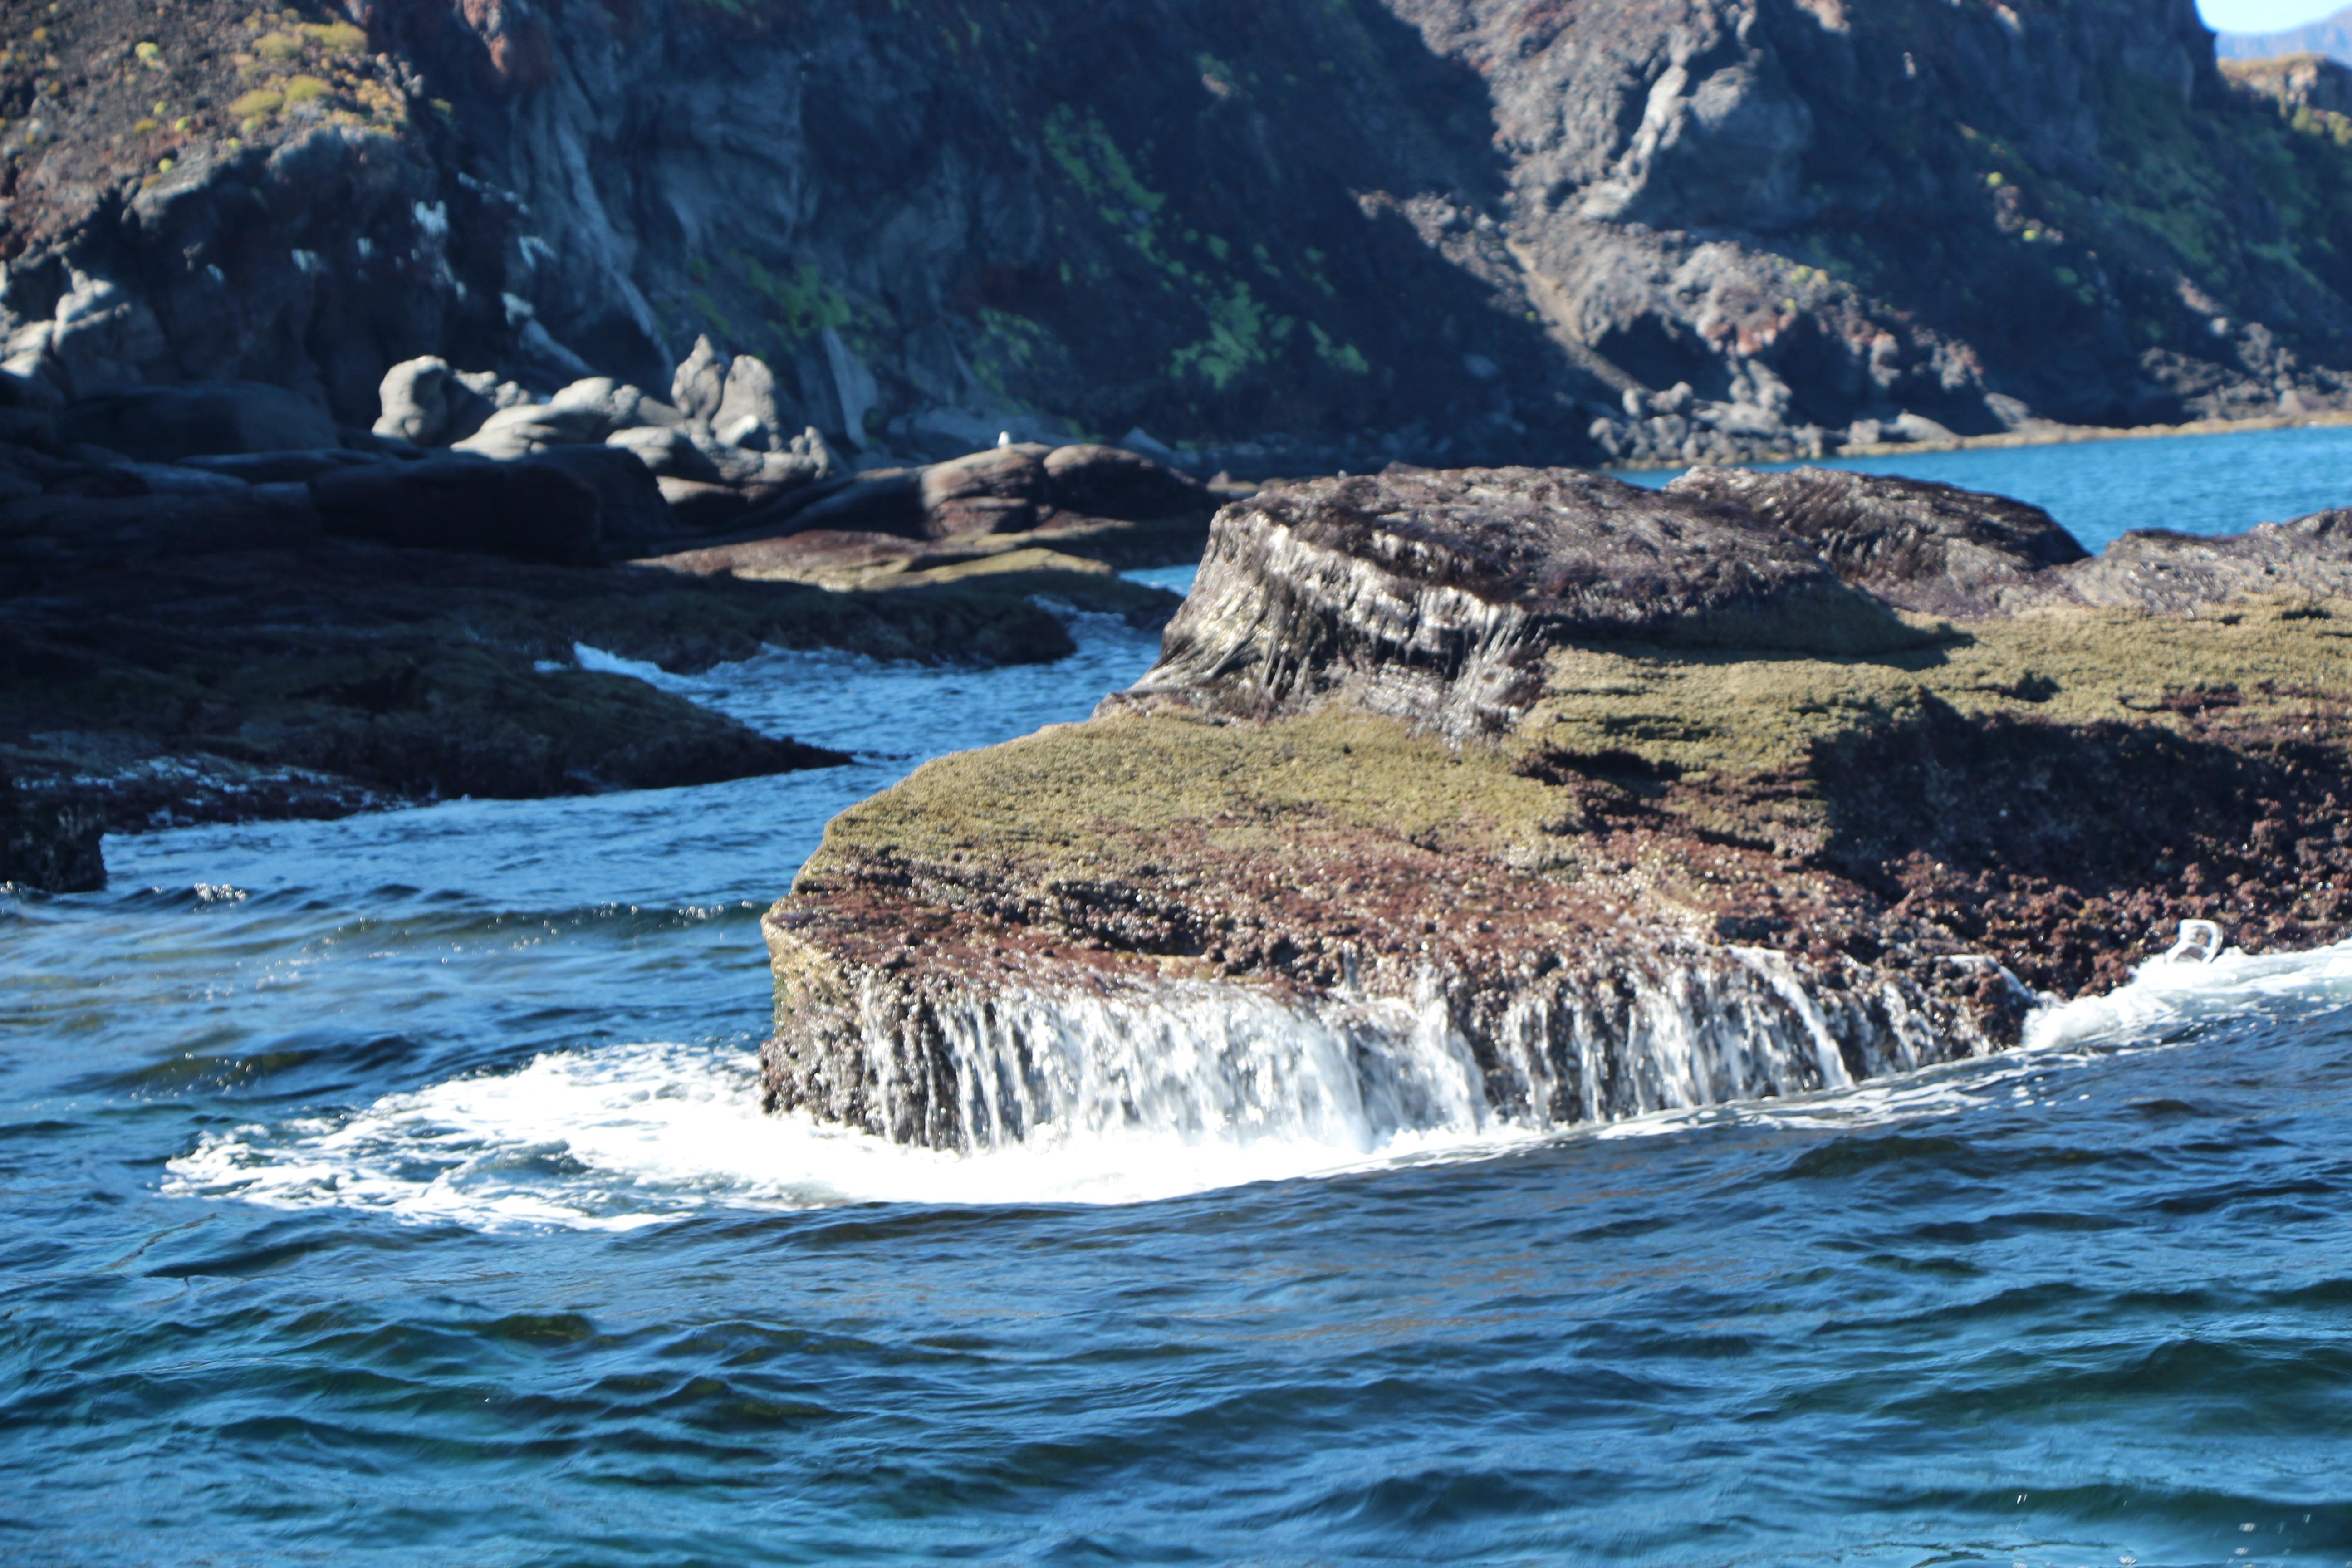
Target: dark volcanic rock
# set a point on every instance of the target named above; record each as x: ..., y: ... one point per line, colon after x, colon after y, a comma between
x: 335, y: 675
x: 530, y: 510
x: 1685, y: 853
x: 281, y: 468
x: 165, y: 423
x: 48, y: 844
x: 633, y: 517
x: 60, y: 533
x: 1108, y: 482
x: 1004, y: 491
x: 1455, y: 230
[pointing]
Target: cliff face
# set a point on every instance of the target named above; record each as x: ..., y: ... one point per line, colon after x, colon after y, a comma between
x: 1283, y: 232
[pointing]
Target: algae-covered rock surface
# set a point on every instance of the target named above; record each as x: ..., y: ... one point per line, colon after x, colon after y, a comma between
x: 1620, y: 800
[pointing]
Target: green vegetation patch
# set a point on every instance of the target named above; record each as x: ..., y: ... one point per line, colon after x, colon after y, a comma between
x: 1086, y: 800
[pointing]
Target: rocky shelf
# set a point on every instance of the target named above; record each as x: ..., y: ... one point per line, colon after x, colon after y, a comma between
x: 216, y: 603
x: 1565, y: 800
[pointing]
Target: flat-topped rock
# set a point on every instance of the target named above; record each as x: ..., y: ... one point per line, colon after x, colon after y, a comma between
x: 1428, y: 595
x: 1917, y: 545
x: 1562, y: 801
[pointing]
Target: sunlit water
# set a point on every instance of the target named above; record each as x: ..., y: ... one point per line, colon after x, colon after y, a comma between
x: 394, y: 1190
x: 2198, y: 484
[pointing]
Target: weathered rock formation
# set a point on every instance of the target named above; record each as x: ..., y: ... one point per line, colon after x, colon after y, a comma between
x: 1528, y: 794
x: 1280, y: 233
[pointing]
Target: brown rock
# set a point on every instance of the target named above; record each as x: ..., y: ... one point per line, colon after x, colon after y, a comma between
x: 1110, y: 481
x: 1432, y: 595
x: 1003, y: 491
x: 1524, y: 794
x: 1917, y: 545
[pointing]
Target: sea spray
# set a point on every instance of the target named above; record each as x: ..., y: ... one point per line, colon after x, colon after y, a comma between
x: 628, y: 1135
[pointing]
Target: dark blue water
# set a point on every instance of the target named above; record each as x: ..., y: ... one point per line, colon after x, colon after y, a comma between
x: 391, y: 1190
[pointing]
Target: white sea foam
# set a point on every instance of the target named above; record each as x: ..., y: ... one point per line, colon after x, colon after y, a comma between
x: 2163, y: 995
x: 634, y: 1135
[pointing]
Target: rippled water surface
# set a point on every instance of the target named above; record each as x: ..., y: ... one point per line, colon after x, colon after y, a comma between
x: 2197, y: 484
x: 393, y: 1189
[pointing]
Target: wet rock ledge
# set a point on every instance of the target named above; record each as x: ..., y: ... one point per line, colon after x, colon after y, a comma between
x: 1528, y: 794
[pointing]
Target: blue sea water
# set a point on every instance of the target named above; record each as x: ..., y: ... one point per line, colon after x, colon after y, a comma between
x: 2196, y: 484
x: 393, y: 1189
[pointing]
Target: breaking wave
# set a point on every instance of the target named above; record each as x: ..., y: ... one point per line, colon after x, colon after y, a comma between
x: 642, y: 1134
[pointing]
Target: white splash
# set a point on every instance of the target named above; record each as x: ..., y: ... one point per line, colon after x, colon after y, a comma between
x: 2168, y: 992
x: 634, y: 1135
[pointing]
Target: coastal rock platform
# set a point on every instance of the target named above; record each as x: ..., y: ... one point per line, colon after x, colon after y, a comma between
x: 1530, y: 797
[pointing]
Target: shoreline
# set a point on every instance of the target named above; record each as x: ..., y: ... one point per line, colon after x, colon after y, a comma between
x: 2048, y: 436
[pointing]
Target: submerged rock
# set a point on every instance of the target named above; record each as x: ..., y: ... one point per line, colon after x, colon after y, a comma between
x: 1527, y: 795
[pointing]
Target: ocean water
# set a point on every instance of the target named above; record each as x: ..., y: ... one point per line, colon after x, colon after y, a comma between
x: 2197, y: 484
x: 393, y: 1190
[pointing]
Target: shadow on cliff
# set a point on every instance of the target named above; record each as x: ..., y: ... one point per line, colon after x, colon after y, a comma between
x: 1317, y: 165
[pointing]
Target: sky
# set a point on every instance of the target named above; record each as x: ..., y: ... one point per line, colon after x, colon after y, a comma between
x: 2263, y: 15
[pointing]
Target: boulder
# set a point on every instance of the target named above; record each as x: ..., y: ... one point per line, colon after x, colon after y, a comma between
x: 620, y: 405
x: 667, y: 450
x: 196, y: 418
x: 2162, y: 571
x: 732, y: 465
x: 699, y: 387
x: 517, y: 432
x: 426, y: 401
x: 527, y: 510
x: 1001, y: 490
x: 633, y: 515
x: 748, y: 414
x: 810, y: 448
x: 1108, y: 482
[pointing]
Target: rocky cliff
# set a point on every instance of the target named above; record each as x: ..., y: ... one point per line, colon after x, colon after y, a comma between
x: 1279, y: 234
x: 1571, y: 800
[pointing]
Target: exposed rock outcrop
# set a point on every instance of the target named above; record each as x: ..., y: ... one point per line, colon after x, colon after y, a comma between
x: 1560, y: 800
x: 1285, y: 236
x: 1016, y: 509
x: 319, y: 630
